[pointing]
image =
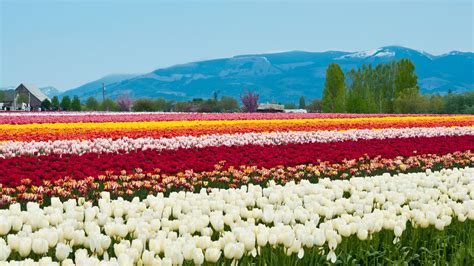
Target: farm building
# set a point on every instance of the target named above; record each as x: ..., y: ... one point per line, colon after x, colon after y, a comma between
x: 270, y: 108
x: 24, y: 97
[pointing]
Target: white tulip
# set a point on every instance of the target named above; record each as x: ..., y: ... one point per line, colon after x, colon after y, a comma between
x: 5, y: 226
x: 125, y: 260
x: 4, y: 252
x: 148, y: 258
x: 62, y: 251
x: 212, y: 255
x: 13, y: 242
x: 39, y: 246
x: 198, y: 256
x: 25, y: 247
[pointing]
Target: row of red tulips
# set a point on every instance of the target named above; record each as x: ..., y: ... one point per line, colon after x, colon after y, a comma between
x: 55, y: 166
x: 140, y: 184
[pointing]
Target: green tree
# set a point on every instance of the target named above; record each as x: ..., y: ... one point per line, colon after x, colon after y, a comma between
x: 109, y: 105
x: 334, y: 90
x: 411, y: 102
x: 92, y: 104
x: 290, y: 106
x: 182, y: 107
x: 144, y: 105
x: 45, y: 104
x: 459, y: 103
x: 162, y: 105
x: 229, y: 104
x: 2, y: 96
x: 76, y: 104
x: 436, y: 104
x: 55, y: 103
x: 315, y: 106
x: 65, y: 103
x: 208, y: 106
x: 405, y: 77
x: 302, y: 103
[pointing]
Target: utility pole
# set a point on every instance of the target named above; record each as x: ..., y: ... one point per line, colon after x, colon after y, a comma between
x: 103, y: 92
x: 103, y: 96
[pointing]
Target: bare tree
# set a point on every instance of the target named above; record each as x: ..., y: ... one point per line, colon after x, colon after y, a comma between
x: 124, y: 102
x: 249, y: 101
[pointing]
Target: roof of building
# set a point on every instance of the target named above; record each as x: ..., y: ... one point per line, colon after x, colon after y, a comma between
x: 35, y: 91
x: 295, y: 111
x: 271, y: 106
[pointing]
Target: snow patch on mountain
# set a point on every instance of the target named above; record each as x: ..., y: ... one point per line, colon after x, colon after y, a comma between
x: 385, y: 53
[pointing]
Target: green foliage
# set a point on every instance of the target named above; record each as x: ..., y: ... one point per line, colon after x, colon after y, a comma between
x: 290, y: 106
x: 228, y: 104
x: 436, y: 104
x: 384, y: 89
x: 76, y: 104
x: 163, y: 105
x: 225, y: 104
x: 182, y: 107
x: 55, y: 103
x: 92, y: 104
x: 411, y: 102
x: 45, y: 104
x: 2, y: 96
x: 66, y: 103
x: 316, y: 106
x: 334, y: 90
x: 150, y: 105
x: 405, y: 77
x: 109, y: 105
x: 144, y: 105
x: 459, y: 103
x: 302, y: 103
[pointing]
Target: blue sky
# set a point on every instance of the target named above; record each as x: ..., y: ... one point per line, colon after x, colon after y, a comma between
x: 68, y: 43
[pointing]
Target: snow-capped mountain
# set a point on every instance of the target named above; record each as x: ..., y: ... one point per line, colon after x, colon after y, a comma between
x: 285, y: 76
x: 50, y: 91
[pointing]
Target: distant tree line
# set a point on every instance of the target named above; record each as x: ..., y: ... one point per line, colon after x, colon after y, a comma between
x: 386, y: 88
x: 125, y: 103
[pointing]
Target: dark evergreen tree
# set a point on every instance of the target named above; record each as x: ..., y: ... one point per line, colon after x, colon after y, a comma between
x: 76, y: 104
x: 302, y: 104
x: 55, y: 103
x: 66, y: 103
x: 45, y: 105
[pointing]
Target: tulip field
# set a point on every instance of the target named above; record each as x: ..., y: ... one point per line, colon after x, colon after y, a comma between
x: 91, y: 188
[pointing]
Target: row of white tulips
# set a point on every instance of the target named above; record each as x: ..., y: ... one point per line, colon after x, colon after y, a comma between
x: 178, y: 228
x: 13, y: 149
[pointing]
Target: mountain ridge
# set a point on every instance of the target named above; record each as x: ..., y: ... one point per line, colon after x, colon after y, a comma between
x: 282, y: 76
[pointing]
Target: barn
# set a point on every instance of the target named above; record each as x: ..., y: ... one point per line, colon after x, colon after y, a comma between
x: 24, y: 97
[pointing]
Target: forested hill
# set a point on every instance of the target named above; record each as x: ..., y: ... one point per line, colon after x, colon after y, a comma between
x: 284, y: 77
